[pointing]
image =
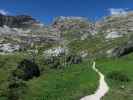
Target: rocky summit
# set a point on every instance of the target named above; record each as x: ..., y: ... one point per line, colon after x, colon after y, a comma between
x: 116, y: 24
x: 17, y: 21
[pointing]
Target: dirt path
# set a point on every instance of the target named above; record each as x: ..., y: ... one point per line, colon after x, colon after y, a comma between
x: 102, y: 89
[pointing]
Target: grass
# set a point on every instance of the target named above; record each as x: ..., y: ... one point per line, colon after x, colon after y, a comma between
x: 7, y: 64
x: 97, y: 44
x: 118, y: 90
x: 70, y: 83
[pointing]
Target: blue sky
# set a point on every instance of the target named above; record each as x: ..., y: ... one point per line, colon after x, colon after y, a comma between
x: 46, y: 10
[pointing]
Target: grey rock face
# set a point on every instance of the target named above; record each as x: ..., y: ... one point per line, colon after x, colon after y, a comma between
x: 5, y: 30
x: 9, y: 48
x: 122, y: 24
x: 17, y: 21
x: 57, y: 51
x: 80, y: 24
x: 123, y: 50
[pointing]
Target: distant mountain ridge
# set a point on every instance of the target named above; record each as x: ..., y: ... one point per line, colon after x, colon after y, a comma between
x: 17, y: 21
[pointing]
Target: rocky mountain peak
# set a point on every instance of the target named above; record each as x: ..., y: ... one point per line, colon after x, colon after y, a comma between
x: 121, y: 24
x: 17, y: 21
x: 73, y: 23
x: 70, y: 18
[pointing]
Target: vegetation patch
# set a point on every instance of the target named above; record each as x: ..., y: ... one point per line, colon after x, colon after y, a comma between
x: 26, y: 70
x: 118, y: 76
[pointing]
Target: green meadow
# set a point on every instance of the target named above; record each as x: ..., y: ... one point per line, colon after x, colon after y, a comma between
x: 70, y: 83
x: 119, y: 89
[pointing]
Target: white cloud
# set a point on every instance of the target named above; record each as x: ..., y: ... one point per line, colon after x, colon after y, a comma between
x: 3, y: 12
x: 119, y: 11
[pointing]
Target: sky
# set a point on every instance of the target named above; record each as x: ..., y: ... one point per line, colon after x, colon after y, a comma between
x: 46, y: 10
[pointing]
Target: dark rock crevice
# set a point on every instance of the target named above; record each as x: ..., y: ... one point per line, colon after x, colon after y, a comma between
x: 123, y: 50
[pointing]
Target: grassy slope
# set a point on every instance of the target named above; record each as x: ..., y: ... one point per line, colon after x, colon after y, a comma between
x: 7, y: 64
x: 125, y: 65
x: 75, y: 81
x: 96, y: 44
x: 66, y: 84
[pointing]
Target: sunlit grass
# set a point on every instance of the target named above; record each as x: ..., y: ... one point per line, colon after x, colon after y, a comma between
x: 119, y: 90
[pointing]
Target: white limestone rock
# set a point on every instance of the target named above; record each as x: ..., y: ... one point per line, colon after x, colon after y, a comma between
x: 13, y: 31
x: 57, y: 51
x: 113, y: 35
x: 9, y: 48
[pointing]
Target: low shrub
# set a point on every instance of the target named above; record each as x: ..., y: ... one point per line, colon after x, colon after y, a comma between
x: 16, y: 88
x: 73, y: 59
x: 56, y: 62
x: 118, y: 76
x: 26, y: 70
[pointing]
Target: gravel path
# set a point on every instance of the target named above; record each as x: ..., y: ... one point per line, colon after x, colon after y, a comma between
x: 102, y: 89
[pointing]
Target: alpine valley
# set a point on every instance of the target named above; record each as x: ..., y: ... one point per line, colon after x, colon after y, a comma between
x: 69, y: 59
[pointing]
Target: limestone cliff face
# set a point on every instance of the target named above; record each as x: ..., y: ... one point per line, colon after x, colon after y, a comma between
x: 120, y: 23
x: 73, y: 23
x: 74, y: 27
x: 17, y: 21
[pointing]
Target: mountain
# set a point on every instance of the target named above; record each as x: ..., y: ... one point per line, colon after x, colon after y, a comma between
x: 117, y: 25
x: 79, y: 34
x: 54, y: 62
x: 17, y: 21
x: 80, y: 24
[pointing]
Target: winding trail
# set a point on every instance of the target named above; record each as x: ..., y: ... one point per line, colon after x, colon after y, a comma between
x: 102, y: 89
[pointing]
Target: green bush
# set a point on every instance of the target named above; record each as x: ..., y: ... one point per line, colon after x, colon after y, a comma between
x: 27, y: 69
x: 62, y: 61
x: 16, y: 89
x: 54, y: 62
x: 118, y: 76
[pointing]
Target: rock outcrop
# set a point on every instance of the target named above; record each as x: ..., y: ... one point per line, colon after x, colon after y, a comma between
x: 122, y: 50
x: 17, y: 21
x: 122, y: 24
x: 9, y: 48
x: 74, y: 26
x: 5, y: 30
x: 57, y: 51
